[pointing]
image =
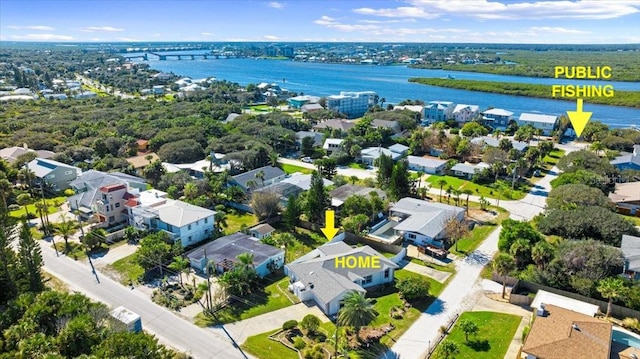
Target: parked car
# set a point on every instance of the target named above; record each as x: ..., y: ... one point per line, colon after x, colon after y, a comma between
x: 307, y: 159
x: 537, y: 173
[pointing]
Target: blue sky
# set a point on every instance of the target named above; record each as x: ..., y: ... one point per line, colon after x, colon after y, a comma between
x: 484, y: 21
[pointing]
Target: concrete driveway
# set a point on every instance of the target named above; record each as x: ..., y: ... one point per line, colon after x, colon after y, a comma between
x: 243, y: 329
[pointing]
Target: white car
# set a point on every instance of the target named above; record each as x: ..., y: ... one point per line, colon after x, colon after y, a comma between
x: 307, y: 159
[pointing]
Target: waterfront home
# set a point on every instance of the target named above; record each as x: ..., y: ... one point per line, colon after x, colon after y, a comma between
x: 430, y: 165
x: 258, y: 178
x: 140, y: 162
x: 311, y: 107
x: 11, y: 154
x: 436, y: 111
x: 340, y: 194
x: 334, y: 124
x: 628, y: 161
x: 319, y: 277
x: 393, y: 126
x: 56, y: 175
x: 497, y: 118
x: 415, y: 108
x: 467, y: 170
x: 152, y: 211
x: 464, y: 113
x: 485, y: 141
x: 558, y: 333
x: 422, y: 222
x: 299, y: 101
x: 626, y: 197
x: 332, y: 144
x: 261, y: 231
x: 630, y: 247
x: 222, y: 254
x: 352, y: 104
x: 87, y: 189
x: 369, y: 155
x: 545, y: 123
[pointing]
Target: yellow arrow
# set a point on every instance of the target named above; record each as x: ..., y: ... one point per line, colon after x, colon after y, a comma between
x: 329, y: 229
x: 578, y: 118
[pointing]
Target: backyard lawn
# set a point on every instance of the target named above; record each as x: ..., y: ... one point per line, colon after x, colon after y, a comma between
x: 53, y: 206
x: 496, y: 330
x: 305, y: 242
x: 289, y: 169
x: 267, y: 301
x: 235, y: 222
x: 502, y: 189
x: 128, y: 269
x: 479, y: 233
x: 553, y: 157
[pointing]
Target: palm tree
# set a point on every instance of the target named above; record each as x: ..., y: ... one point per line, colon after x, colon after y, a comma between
x: 497, y: 167
x: 448, y: 348
x: 179, y: 264
x: 611, y: 288
x: 457, y: 193
x: 357, y: 311
x: 245, y: 262
x: 252, y: 184
x: 260, y: 175
x: 41, y: 208
x: 353, y: 179
x: 468, y: 192
x: 441, y: 183
x: 541, y: 253
x: 597, y: 147
x: 24, y: 199
x: 190, y: 190
x: 66, y: 228
x: 521, y: 250
x: 503, y: 264
x: 449, y: 191
x: 497, y: 134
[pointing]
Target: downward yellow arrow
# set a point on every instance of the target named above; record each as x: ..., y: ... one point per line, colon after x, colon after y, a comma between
x: 329, y: 229
x: 578, y: 118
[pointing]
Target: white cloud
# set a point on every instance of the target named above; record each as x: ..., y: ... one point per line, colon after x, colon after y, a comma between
x: 101, y: 29
x: 31, y: 27
x: 275, y: 5
x: 127, y: 39
x: 43, y: 37
x: 207, y: 34
x: 270, y: 37
x: 557, y: 30
x: 402, y: 21
x: 334, y: 24
x: 492, y: 9
x: 326, y: 20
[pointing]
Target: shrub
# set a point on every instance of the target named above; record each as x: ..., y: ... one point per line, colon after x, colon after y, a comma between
x: 313, y: 353
x: 525, y: 332
x: 413, y: 288
x: 310, y: 323
x: 69, y: 192
x: 632, y: 324
x: 299, y: 343
x: 289, y: 324
x: 455, y: 131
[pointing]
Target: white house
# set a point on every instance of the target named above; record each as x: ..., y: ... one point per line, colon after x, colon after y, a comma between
x: 423, y: 222
x: 464, y: 113
x: 352, y: 104
x: 497, y: 118
x: 320, y: 278
x: 224, y: 251
x: 546, y: 123
x: 399, y: 148
x: 430, y: 165
x: 467, y: 170
x: 332, y: 144
x: 371, y: 154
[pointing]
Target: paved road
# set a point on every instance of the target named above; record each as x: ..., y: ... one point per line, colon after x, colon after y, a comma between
x: 170, y: 329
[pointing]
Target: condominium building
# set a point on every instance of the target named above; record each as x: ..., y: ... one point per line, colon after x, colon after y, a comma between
x: 352, y: 104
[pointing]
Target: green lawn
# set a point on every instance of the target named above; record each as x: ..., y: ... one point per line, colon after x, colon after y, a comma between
x: 358, y: 166
x: 479, y: 232
x: 305, y: 242
x: 53, y: 206
x: 293, y: 169
x: 496, y: 330
x: 128, y: 269
x: 264, y: 348
x: 553, y: 157
x: 502, y: 188
x: 635, y: 220
x: 235, y: 222
x: 448, y: 268
x: 264, y: 302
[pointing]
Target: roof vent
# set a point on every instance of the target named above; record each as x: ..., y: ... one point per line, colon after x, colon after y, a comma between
x: 310, y: 285
x: 540, y: 312
x: 310, y: 273
x: 575, y: 326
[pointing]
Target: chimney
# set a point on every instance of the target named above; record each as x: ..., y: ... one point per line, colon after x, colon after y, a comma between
x: 541, y: 312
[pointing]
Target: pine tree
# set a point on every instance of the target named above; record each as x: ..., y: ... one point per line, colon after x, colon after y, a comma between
x: 399, y: 185
x: 7, y: 256
x: 317, y: 198
x: 292, y: 213
x: 29, y: 262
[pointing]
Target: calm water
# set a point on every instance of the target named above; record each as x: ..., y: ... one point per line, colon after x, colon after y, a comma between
x: 390, y: 82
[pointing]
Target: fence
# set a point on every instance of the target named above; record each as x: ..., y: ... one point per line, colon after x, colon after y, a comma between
x: 523, y: 285
x: 432, y: 348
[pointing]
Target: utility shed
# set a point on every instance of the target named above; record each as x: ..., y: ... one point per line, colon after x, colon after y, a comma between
x: 128, y: 318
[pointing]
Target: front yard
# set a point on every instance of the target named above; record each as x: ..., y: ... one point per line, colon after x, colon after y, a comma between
x: 496, y: 330
x: 480, y: 232
x: 502, y: 188
x: 274, y: 296
x: 53, y: 206
x: 128, y: 269
x: 289, y: 169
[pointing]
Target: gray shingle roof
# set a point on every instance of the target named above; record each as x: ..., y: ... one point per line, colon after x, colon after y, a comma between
x: 426, y: 162
x: 427, y: 218
x: 229, y: 247
x: 270, y: 173
x: 494, y: 142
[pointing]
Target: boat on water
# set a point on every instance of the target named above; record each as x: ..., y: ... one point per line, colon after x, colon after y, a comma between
x: 450, y: 77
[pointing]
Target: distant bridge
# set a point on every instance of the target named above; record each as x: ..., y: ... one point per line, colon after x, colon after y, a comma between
x: 164, y: 57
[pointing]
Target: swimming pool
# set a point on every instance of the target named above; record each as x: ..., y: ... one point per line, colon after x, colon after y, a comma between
x: 625, y: 337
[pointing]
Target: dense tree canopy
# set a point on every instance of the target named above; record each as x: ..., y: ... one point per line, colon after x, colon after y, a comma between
x: 571, y: 196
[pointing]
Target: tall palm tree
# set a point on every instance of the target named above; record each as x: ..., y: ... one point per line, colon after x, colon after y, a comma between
x: 611, y: 288
x: 179, y: 264
x: 357, y: 311
x: 441, y: 183
x: 596, y: 147
x: 542, y: 253
x: 468, y: 192
x: 24, y: 199
x: 245, y: 262
x: 449, y: 191
x: 260, y: 175
x: 66, y: 228
x: 503, y: 264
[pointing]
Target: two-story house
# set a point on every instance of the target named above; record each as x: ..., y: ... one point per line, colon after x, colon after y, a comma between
x: 332, y: 145
x: 497, y: 118
x: 55, y: 174
x: 464, y: 113
x: 546, y: 123
x: 436, y: 111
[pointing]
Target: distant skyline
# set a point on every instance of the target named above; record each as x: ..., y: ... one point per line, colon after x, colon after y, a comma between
x: 450, y: 21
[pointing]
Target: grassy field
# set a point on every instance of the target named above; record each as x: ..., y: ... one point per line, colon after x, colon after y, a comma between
x: 491, y: 191
x: 553, y: 157
x: 496, y: 330
x: 479, y: 233
x: 293, y: 169
x: 53, y: 206
x: 235, y: 222
x: 267, y: 301
x: 128, y: 269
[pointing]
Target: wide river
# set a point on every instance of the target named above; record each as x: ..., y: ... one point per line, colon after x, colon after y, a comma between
x: 390, y: 82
